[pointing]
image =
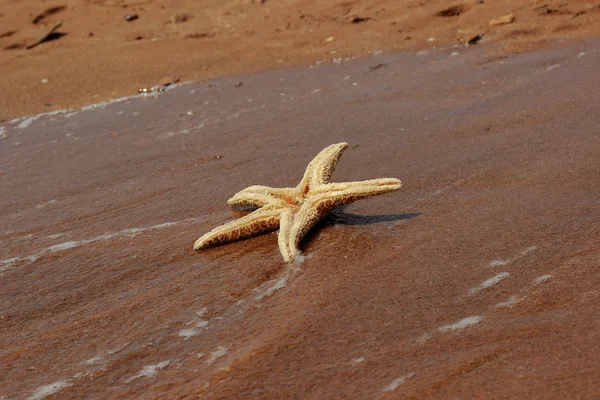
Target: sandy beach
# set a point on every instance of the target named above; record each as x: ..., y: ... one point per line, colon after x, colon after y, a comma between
x: 477, y: 279
x: 111, y: 48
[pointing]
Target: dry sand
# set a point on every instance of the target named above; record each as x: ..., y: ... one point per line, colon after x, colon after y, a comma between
x: 478, y: 279
x: 99, y: 54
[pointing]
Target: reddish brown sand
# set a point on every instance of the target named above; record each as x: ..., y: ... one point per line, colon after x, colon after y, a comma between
x: 478, y: 279
x: 101, y: 55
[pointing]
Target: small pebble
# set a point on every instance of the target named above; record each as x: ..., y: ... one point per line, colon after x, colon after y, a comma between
x: 179, y: 18
x: 502, y: 20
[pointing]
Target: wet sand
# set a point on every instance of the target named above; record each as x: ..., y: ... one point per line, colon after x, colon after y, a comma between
x: 478, y: 279
x: 99, y: 53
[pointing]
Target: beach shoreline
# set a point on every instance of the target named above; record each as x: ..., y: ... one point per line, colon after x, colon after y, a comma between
x: 109, y: 49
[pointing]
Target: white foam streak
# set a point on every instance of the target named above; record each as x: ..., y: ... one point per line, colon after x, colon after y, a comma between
x: 25, y: 122
x: 397, y: 382
x: 218, y: 353
x: 494, y: 280
x: 279, y: 284
x: 512, y: 300
x: 543, y: 278
x: 148, y: 371
x: 47, y: 390
x: 463, y: 323
x: 131, y: 232
x: 498, y: 263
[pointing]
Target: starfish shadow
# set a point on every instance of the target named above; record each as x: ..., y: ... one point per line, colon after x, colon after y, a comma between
x: 336, y: 217
x: 339, y: 217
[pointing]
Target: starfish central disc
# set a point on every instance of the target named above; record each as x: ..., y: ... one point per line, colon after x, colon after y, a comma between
x: 295, y: 210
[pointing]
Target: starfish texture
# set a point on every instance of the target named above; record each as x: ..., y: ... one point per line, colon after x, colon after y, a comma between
x: 295, y: 210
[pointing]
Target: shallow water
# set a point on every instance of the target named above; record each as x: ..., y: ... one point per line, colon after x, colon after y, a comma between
x: 456, y: 285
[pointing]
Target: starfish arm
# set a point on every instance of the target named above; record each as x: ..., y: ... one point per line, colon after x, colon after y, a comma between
x: 285, y: 224
x: 322, y: 200
x: 262, y: 220
x: 259, y: 196
x: 296, y: 210
x: 302, y: 221
x: 342, y: 193
x: 250, y: 200
x: 321, y: 168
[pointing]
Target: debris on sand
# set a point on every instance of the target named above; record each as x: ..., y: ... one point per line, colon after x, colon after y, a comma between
x: 161, y: 85
x: 474, y: 39
x: 502, y: 20
x: 51, y: 35
x: 48, y: 12
x: 357, y: 20
x: 374, y: 67
x: 200, y: 35
x: 179, y: 18
x: 168, y: 80
x: 7, y: 34
x: 453, y: 11
x: 15, y: 46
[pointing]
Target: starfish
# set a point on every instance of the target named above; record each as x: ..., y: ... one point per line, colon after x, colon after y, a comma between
x: 295, y: 210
